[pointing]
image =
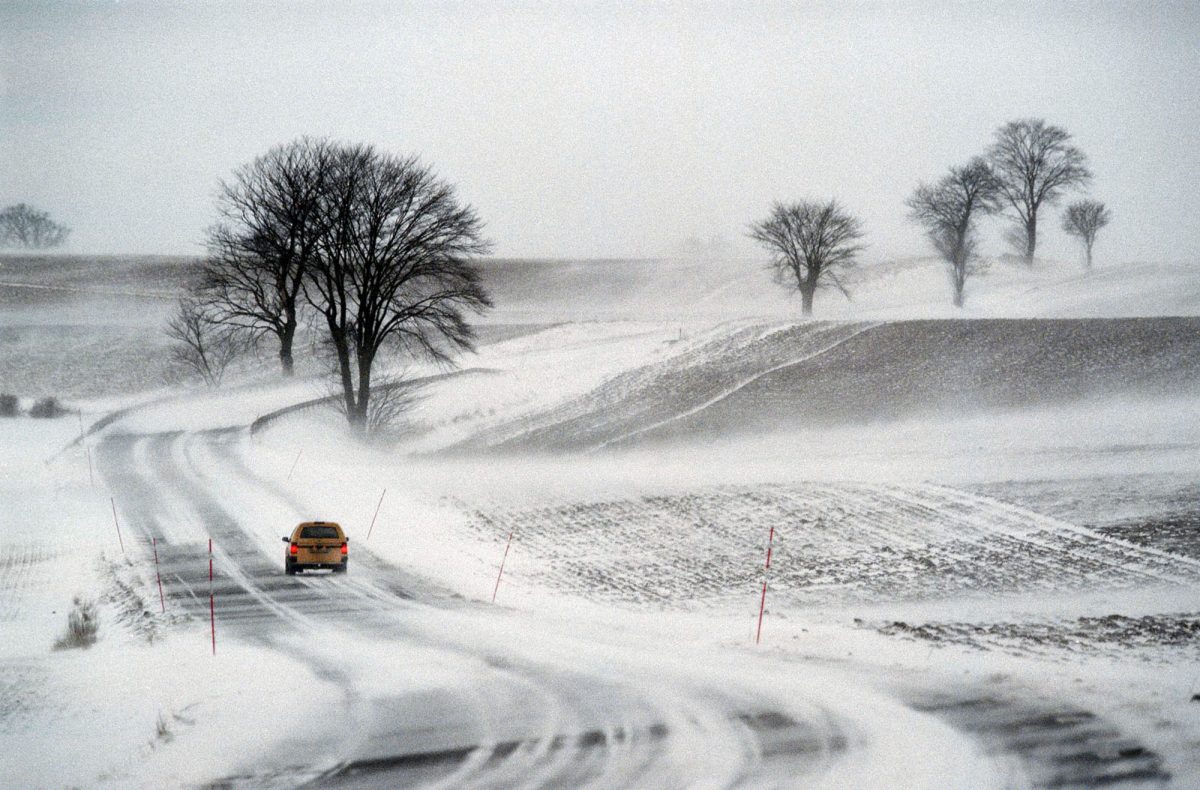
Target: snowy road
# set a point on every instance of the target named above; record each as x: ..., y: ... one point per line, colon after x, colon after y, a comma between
x: 432, y: 689
x: 513, y: 701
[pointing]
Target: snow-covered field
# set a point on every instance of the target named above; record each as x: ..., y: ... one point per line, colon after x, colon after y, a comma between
x: 985, y: 563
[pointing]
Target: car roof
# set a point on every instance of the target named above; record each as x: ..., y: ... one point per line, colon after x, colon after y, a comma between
x: 318, y: 524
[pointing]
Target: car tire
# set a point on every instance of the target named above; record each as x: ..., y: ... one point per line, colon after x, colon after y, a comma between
x: 289, y: 569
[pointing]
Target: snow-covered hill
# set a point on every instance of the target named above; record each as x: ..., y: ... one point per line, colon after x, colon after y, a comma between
x: 80, y: 326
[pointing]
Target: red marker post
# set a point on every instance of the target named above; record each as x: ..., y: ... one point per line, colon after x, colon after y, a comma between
x: 502, y: 561
x: 161, y: 600
x: 212, y: 605
x: 762, y: 604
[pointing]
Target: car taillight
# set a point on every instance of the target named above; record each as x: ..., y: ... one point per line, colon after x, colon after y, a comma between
x: 345, y: 549
x: 295, y: 549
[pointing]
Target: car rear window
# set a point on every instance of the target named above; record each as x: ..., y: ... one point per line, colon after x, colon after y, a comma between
x: 319, y: 532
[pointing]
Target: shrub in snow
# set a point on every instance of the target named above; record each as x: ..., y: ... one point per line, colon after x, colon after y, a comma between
x: 83, y: 622
x: 9, y: 406
x: 162, y: 729
x: 47, y: 407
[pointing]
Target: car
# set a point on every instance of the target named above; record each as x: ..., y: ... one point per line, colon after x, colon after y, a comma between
x: 314, y: 545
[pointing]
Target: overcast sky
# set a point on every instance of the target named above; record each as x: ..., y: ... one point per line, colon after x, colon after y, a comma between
x: 597, y: 129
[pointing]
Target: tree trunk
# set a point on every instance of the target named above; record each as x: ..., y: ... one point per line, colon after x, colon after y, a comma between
x: 343, y: 355
x: 958, y: 266
x: 806, y: 301
x: 364, y: 390
x: 1089, y: 256
x: 286, y: 337
x: 1030, y: 239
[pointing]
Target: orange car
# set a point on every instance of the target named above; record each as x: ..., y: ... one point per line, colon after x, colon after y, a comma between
x: 315, y: 545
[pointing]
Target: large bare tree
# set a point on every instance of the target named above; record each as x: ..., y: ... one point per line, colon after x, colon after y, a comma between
x: 271, y: 221
x: 1034, y: 164
x: 948, y: 209
x: 24, y: 226
x: 809, y: 243
x: 394, y: 267
x: 1084, y: 219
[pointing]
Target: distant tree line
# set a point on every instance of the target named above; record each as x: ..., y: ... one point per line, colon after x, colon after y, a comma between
x: 47, y: 407
x: 379, y: 252
x: 373, y: 247
x: 1029, y: 165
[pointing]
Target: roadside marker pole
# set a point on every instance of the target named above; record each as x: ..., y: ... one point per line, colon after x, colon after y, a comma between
x: 212, y: 605
x: 117, y: 524
x: 161, y: 600
x: 376, y: 514
x: 80, y: 413
x: 762, y: 604
x: 293, y: 469
x: 91, y: 482
x: 502, y: 561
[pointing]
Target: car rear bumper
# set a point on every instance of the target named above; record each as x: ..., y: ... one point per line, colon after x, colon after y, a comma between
x: 317, y: 566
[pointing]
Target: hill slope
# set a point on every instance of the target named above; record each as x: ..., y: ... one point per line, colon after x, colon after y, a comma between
x: 764, y: 378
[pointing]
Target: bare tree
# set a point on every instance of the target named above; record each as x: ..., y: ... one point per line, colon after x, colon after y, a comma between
x: 25, y: 226
x: 809, y: 243
x: 947, y: 210
x: 200, y: 344
x: 271, y: 221
x: 1084, y: 219
x: 1034, y: 163
x: 394, y: 266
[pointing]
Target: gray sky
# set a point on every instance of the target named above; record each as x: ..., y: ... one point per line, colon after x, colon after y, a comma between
x: 599, y: 130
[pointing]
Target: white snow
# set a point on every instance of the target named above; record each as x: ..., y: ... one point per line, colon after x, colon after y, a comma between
x: 91, y: 717
x: 554, y: 655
